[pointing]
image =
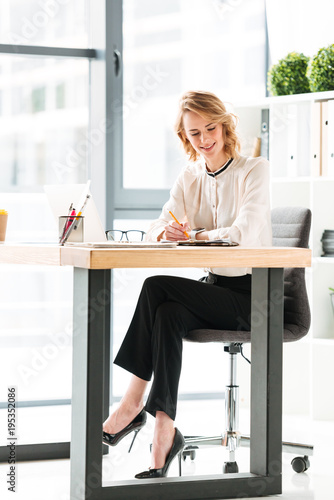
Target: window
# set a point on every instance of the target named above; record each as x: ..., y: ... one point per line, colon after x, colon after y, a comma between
x: 291, y: 23
x: 50, y: 108
x: 44, y: 124
x: 60, y: 23
x: 43, y: 119
x: 177, y: 46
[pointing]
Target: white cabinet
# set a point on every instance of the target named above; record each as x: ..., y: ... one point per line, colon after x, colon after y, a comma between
x: 301, y: 155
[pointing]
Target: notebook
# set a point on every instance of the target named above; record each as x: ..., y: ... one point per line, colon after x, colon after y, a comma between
x: 153, y: 244
x: 122, y: 244
x: 208, y: 243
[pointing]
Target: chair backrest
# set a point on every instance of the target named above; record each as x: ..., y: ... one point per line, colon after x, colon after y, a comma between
x: 291, y: 227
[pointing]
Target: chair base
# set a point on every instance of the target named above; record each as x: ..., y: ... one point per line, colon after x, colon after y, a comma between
x: 232, y: 440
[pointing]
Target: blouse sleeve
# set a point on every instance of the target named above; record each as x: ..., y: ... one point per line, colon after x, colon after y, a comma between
x: 175, y: 204
x: 252, y: 226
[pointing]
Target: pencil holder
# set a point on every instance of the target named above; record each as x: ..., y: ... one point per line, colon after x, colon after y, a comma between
x: 71, y: 228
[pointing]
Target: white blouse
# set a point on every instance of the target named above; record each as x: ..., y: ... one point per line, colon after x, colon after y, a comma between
x: 233, y: 202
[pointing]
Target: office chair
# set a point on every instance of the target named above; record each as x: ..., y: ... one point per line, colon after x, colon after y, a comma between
x: 291, y: 227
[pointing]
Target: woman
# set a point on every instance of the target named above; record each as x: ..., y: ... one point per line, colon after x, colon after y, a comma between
x: 219, y: 194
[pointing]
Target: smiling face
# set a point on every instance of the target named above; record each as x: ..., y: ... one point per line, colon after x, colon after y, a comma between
x: 206, y: 138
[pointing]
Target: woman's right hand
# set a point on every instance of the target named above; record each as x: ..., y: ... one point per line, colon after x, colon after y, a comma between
x: 175, y: 232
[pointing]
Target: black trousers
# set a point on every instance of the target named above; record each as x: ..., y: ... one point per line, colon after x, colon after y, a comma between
x: 168, y: 308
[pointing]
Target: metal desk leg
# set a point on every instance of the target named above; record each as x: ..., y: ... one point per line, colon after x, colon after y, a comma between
x: 91, y: 323
x: 266, y: 379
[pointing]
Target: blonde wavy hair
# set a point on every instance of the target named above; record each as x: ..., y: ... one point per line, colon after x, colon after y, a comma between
x: 210, y: 107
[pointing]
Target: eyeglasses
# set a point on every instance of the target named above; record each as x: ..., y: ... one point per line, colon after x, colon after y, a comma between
x: 131, y: 235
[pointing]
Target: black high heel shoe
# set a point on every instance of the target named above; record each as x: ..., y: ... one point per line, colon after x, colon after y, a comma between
x: 177, y: 448
x: 135, y: 425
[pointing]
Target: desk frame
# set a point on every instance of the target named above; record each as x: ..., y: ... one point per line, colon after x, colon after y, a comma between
x: 91, y: 339
x: 90, y: 396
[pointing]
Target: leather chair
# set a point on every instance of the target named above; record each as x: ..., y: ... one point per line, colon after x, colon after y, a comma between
x: 291, y: 227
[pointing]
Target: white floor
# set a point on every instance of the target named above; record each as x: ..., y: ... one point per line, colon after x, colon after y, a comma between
x: 49, y: 480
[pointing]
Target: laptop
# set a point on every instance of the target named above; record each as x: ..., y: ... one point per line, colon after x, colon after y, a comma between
x: 60, y: 197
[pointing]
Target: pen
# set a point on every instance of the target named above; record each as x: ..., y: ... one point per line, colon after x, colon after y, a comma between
x: 69, y: 227
x: 69, y: 220
x: 187, y: 235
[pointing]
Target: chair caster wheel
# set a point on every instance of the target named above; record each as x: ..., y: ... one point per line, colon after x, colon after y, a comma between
x: 189, y: 451
x: 230, y: 467
x: 300, y: 464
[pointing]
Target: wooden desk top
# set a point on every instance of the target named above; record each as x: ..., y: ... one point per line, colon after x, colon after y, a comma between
x: 30, y: 254
x: 98, y: 258
x: 186, y: 257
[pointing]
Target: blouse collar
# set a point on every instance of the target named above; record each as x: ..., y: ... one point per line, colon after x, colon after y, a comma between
x: 217, y: 172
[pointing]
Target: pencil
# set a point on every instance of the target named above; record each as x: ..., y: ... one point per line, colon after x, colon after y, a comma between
x: 187, y: 235
x: 80, y: 213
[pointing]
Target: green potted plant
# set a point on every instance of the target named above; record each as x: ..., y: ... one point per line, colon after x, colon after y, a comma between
x: 321, y: 70
x: 288, y: 76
